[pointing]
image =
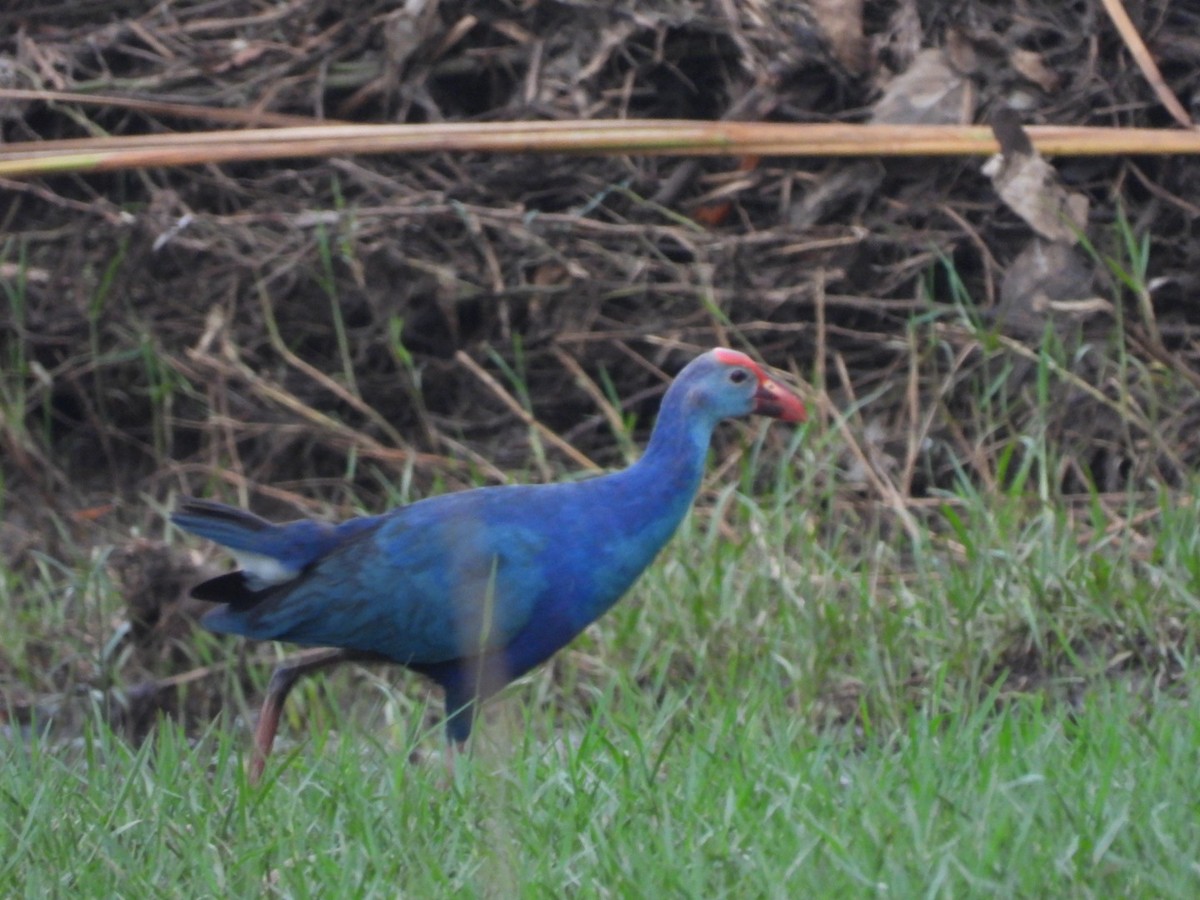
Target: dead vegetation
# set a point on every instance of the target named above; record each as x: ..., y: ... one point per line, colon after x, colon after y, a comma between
x: 264, y: 329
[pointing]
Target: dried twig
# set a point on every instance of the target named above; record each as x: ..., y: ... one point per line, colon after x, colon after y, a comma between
x: 648, y: 137
x: 523, y: 414
x: 1141, y: 55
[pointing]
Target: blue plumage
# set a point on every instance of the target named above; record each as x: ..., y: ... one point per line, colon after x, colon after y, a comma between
x: 475, y: 588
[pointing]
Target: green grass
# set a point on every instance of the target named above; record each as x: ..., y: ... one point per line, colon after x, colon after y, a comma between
x: 697, y: 794
x: 777, y: 710
x: 801, y: 698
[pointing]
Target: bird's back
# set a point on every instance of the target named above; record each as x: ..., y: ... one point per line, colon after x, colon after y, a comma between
x: 458, y: 575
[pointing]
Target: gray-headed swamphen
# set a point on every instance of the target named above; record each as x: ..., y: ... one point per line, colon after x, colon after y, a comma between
x: 472, y: 589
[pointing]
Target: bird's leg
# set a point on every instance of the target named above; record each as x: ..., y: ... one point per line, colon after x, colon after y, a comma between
x: 282, y: 680
x: 461, y: 706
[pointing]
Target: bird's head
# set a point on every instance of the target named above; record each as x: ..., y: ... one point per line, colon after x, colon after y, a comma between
x: 726, y: 383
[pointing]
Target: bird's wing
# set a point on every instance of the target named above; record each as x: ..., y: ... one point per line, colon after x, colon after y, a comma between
x: 442, y: 579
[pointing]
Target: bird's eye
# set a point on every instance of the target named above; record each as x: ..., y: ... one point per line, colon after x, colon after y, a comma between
x: 737, y: 376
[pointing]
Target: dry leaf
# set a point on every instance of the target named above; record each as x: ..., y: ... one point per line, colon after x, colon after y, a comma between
x: 929, y: 92
x: 1030, y: 186
x: 1029, y: 65
x: 841, y: 21
x: 960, y: 51
x: 1046, y: 280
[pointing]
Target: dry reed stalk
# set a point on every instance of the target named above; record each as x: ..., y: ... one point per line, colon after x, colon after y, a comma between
x: 649, y: 137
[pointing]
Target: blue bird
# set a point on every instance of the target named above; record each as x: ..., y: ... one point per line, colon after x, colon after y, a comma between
x: 472, y: 589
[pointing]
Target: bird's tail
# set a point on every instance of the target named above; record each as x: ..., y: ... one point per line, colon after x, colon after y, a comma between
x: 225, y: 525
x: 269, y: 554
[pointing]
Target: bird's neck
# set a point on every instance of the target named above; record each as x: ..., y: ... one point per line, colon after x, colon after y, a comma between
x: 633, y: 513
x: 666, y: 478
